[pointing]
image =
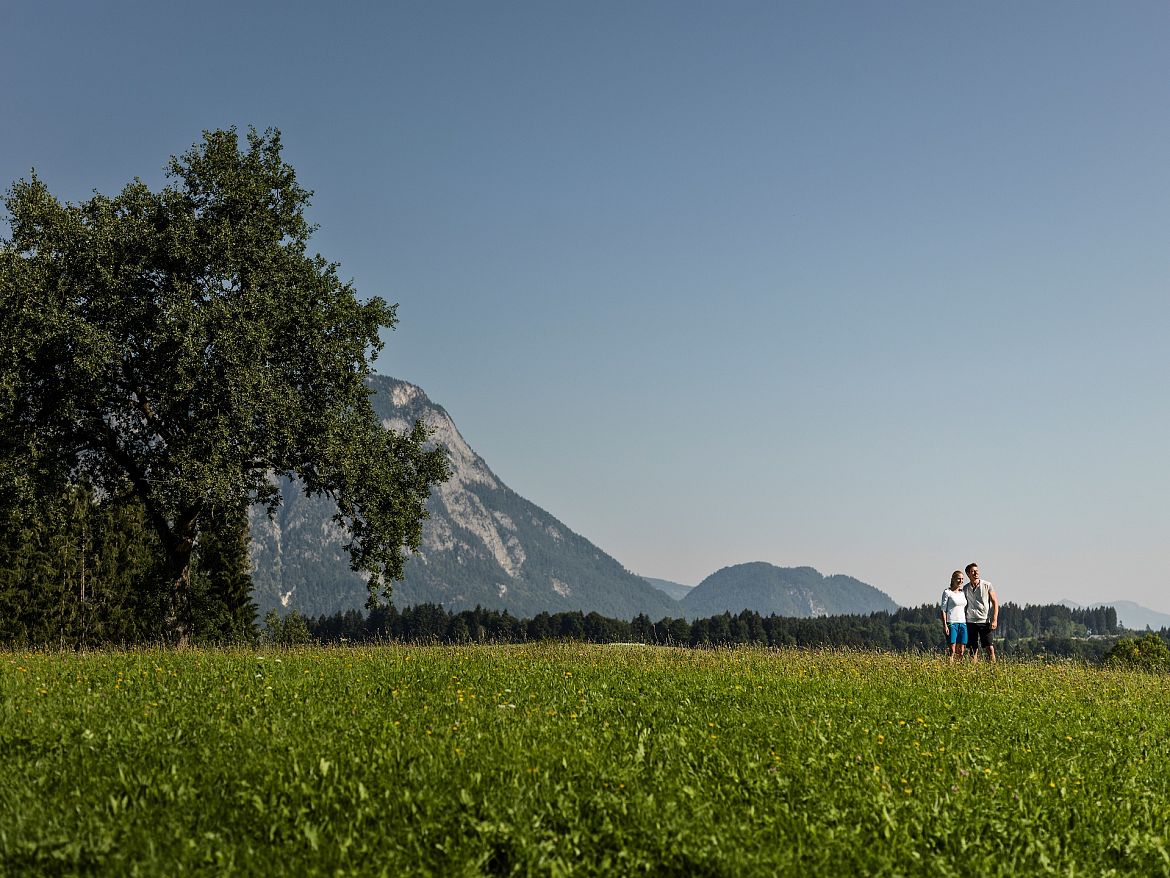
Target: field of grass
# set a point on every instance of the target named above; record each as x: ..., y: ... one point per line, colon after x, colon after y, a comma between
x: 573, y: 760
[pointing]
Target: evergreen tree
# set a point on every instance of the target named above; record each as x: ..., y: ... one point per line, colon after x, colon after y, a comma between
x: 78, y: 572
x: 222, y: 607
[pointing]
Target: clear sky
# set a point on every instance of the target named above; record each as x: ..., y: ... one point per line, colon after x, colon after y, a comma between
x: 880, y: 288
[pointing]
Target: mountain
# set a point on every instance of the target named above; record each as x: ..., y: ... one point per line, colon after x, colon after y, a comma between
x: 785, y: 591
x: 483, y: 544
x: 676, y: 590
x: 1133, y: 616
x: 1136, y: 617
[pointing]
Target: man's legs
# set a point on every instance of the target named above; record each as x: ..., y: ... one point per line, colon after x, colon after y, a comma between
x: 981, y: 637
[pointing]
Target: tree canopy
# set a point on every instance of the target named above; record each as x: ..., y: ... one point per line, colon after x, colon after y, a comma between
x: 183, y: 345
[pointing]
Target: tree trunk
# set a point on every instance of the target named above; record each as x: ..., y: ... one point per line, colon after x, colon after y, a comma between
x: 178, y: 620
x: 180, y: 548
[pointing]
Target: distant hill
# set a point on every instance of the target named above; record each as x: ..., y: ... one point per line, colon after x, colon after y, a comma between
x: 675, y: 590
x: 1132, y: 616
x: 785, y: 591
x: 483, y: 544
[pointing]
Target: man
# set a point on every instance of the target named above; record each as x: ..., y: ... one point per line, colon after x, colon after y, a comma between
x: 982, y: 613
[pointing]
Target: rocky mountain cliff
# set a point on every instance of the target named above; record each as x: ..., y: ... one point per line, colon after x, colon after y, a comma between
x: 482, y: 545
x: 785, y: 591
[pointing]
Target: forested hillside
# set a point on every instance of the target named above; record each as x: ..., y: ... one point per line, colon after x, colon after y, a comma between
x: 782, y: 591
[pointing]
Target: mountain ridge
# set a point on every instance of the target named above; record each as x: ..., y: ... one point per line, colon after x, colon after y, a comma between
x: 483, y: 544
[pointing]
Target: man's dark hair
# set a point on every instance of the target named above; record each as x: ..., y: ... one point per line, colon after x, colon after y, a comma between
x: 967, y: 569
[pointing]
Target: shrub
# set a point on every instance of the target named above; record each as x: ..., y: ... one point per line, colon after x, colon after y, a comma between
x: 1150, y: 653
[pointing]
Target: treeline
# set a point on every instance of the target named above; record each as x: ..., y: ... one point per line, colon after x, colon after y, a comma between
x: 84, y: 571
x: 1049, y: 629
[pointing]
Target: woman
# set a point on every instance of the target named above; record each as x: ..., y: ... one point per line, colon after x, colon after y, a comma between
x: 954, y: 616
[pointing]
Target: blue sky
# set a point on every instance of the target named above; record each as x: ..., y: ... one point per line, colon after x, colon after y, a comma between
x: 875, y: 287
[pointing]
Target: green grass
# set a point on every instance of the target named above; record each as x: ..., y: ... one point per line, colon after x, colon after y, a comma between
x: 577, y: 760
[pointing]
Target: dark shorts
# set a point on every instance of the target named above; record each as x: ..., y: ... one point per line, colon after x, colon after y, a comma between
x: 958, y: 633
x: 979, y: 634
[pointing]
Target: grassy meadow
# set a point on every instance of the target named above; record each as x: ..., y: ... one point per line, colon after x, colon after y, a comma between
x: 577, y: 760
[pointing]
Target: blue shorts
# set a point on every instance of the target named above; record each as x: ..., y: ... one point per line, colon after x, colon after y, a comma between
x: 959, y: 633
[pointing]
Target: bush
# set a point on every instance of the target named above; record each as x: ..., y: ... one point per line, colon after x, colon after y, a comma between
x: 1150, y: 653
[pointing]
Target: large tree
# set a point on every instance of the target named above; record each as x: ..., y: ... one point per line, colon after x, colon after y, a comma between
x: 184, y: 344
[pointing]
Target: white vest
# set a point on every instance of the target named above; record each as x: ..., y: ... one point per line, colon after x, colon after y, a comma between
x: 978, y: 601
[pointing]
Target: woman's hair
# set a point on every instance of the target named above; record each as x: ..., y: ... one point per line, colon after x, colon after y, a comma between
x: 957, y: 576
